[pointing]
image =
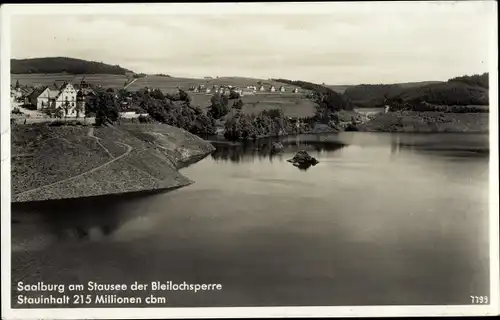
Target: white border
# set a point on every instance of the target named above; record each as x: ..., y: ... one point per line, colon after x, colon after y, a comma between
x: 237, y: 312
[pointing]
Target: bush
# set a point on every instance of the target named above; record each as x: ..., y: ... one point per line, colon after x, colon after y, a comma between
x: 143, y: 119
x: 57, y: 123
x: 16, y: 111
x: 234, y: 95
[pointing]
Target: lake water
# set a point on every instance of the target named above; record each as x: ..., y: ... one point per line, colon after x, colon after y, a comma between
x: 382, y: 219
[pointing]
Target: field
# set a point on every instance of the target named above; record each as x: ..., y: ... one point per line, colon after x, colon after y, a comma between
x: 167, y: 84
x: 293, y: 105
x: 105, y: 80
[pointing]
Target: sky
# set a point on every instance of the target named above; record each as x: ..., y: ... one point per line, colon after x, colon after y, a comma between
x: 334, y: 43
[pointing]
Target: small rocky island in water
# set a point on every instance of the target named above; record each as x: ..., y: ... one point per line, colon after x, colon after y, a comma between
x: 303, y: 160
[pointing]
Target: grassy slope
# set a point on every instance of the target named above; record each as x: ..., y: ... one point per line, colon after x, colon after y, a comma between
x: 170, y: 83
x: 411, y: 121
x: 292, y: 104
x: 106, y: 80
x: 43, y: 155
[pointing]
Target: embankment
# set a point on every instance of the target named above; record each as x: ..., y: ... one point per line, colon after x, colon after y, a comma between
x: 427, y: 121
x: 50, y: 163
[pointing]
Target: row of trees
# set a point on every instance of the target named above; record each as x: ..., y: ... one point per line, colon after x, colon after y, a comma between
x: 175, y: 110
x: 267, y: 123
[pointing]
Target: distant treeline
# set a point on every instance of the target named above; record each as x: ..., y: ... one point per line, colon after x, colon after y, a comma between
x: 480, y: 80
x: 459, y: 91
x: 64, y: 65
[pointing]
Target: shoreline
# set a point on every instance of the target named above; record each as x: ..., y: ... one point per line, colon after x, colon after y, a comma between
x: 73, y: 163
x: 383, y: 123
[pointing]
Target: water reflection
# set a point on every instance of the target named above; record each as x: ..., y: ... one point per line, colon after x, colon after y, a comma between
x: 87, y: 219
x: 262, y: 149
x: 444, y: 145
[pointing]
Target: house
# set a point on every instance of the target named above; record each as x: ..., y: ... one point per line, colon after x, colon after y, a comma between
x: 295, y: 90
x: 272, y: 89
x: 20, y: 94
x: 41, y: 97
x: 261, y: 88
x: 131, y: 114
x: 247, y: 92
x: 282, y: 89
x: 208, y: 90
x: 64, y: 98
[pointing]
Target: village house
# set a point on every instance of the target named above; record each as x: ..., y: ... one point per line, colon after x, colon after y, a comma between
x: 19, y: 94
x: 132, y: 115
x: 282, y: 89
x: 247, y: 92
x: 296, y: 90
x: 272, y: 89
x: 261, y: 88
x: 66, y: 98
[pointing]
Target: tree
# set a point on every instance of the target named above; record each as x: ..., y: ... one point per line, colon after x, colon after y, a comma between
x: 238, y: 104
x: 218, y: 107
x: 233, y: 94
x: 66, y: 107
x: 78, y: 108
x: 59, y: 113
x: 17, y: 84
x: 107, y: 108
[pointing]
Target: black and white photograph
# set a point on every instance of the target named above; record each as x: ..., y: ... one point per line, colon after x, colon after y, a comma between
x: 191, y: 160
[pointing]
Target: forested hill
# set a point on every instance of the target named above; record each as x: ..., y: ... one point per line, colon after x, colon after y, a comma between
x: 464, y: 90
x: 63, y: 65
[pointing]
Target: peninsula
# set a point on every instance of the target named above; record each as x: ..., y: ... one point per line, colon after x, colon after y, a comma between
x: 63, y: 162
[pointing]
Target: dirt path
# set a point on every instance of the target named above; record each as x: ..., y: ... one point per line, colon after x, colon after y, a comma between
x: 114, y: 159
x: 131, y: 82
x: 91, y: 134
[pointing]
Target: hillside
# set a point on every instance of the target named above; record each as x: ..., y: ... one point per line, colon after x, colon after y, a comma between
x: 63, y: 65
x: 413, y: 121
x: 465, y: 90
x: 326, y: 97
x: 171, y: 83
x: 83, y: 161
x: 115, y: 81
x: 445, y: 93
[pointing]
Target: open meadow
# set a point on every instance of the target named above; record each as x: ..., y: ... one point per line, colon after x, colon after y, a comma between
x: 167, y: 84
x: 293, y: 105
x: 114, y: 81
